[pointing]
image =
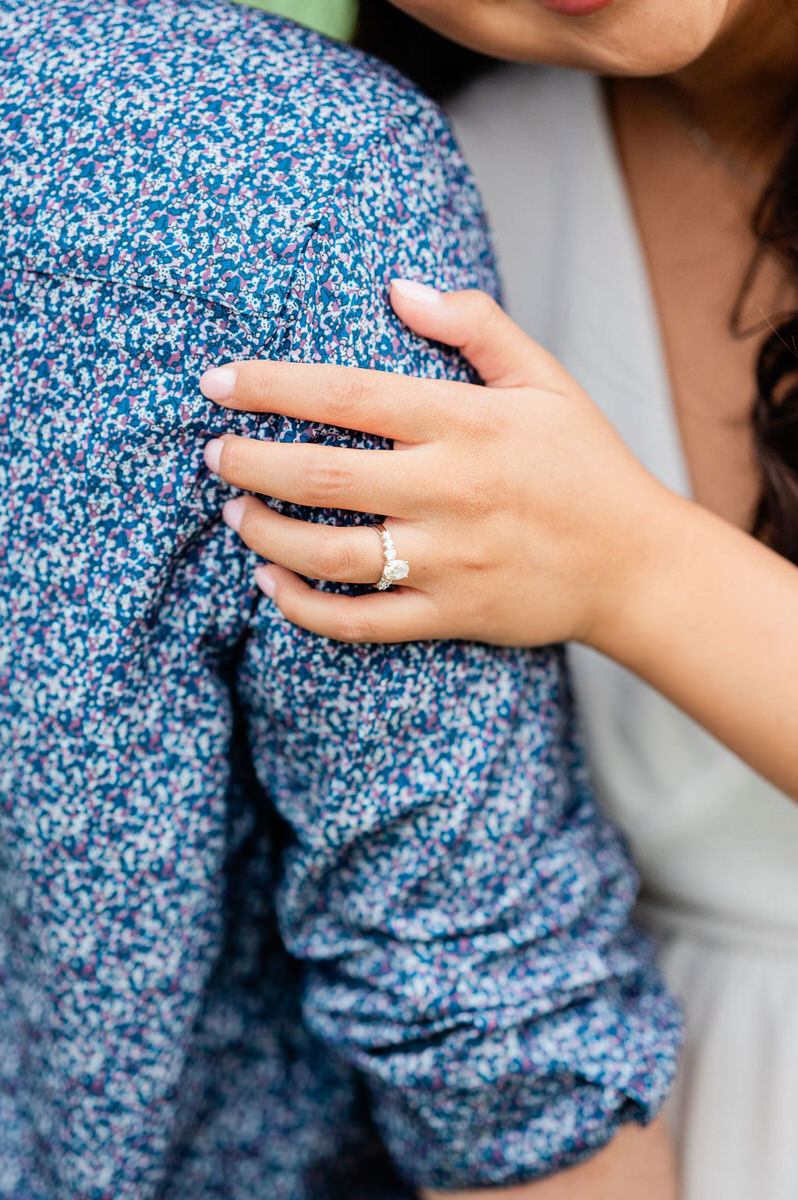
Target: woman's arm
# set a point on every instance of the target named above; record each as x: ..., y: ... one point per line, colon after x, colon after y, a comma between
x: 525, y: 521
x: 713, y: 625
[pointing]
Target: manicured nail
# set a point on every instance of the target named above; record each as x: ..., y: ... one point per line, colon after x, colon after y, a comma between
x: 419, y: 293
x: 265, y: 581
x: 218, y: 383
x: 213, y: 455
x: 233, y: 513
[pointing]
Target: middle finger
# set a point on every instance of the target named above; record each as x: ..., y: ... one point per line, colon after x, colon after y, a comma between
x: 370, y: 481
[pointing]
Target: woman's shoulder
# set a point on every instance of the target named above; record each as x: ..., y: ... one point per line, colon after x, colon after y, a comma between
x: 522, y: 130
x: 522, y: 99
x: 533, y: 136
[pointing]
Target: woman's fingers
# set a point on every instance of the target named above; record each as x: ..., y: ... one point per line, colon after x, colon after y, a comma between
x: 502, y: 354
x: 402, y: 616
x: 393, y: 406
x: 350, y: 554
x: 322, y: 476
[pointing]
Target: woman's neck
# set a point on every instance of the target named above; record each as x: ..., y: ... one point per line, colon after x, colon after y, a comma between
x: 743, y: 89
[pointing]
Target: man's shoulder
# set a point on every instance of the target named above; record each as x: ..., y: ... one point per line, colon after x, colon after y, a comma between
x: 206, y: 49
x: 162, y: 139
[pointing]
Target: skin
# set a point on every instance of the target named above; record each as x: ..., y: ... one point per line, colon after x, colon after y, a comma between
x: 630, y: 37
x: 548, y: 529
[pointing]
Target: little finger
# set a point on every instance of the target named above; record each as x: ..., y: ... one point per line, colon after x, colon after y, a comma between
x: 406, y: 615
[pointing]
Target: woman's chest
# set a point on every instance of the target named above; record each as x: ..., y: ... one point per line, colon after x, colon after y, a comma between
x: 694, y: 222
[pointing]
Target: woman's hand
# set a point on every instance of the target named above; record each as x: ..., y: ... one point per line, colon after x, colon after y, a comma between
x: 522, y: 515
x: 525, y: 520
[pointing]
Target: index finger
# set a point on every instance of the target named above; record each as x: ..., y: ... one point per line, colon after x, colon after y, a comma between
x: 400, y: 407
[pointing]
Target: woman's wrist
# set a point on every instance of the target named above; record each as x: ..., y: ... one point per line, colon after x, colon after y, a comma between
x: 648, y: 600
x: 638, y: 570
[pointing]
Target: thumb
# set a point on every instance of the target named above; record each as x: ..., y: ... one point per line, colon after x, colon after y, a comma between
x: 501, y: 352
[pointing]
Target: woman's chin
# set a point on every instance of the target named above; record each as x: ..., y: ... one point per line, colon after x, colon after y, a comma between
x: 616, y: 37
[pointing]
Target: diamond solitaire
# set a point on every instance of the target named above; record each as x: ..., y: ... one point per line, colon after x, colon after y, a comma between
x: 394, y: 569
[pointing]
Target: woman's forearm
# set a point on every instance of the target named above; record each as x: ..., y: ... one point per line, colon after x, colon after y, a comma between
x: 711, y: 621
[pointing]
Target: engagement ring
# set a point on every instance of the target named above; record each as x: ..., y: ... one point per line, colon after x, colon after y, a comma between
x: 394, y: 569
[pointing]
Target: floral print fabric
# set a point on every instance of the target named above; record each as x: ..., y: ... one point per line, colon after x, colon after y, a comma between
x: 279, y: 918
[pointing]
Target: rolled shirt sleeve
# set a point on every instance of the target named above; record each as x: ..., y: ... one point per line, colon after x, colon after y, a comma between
x: 461, y: 906
x: 186, y: 183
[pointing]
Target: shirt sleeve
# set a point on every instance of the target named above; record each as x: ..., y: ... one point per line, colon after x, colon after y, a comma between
x: 461, y: 908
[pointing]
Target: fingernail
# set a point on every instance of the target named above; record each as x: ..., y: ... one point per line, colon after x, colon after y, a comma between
x: 419, y: 293
x: 213, y: 455
x: 218, y: 383
x: 265, y: 581
x: 232, y: 513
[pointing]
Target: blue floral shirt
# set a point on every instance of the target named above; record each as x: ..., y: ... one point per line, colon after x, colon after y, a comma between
x: 279, y: 918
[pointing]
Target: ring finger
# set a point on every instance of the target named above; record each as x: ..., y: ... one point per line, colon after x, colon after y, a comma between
x: 345, y: 554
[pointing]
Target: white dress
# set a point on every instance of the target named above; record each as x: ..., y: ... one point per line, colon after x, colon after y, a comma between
x: 716, y: 845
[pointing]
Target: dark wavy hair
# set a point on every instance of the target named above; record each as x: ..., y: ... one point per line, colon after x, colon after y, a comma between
x: 775, y: 412
x: 440, y: 67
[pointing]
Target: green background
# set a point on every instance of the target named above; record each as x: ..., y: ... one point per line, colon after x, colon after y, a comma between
x: 334, y: 17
